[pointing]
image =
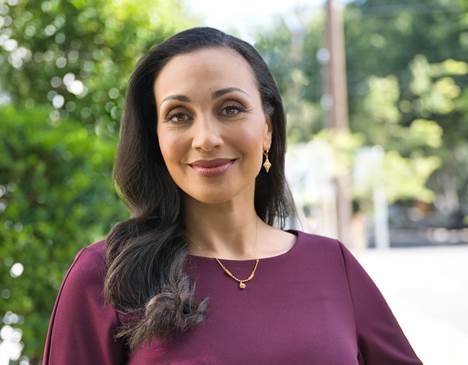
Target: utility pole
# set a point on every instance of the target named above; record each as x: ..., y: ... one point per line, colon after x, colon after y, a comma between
x: 337, y: 116
x: 336, y: 70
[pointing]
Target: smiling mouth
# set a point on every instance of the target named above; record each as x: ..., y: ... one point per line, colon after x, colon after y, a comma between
x: 211, y: 163
x: 213, y: 171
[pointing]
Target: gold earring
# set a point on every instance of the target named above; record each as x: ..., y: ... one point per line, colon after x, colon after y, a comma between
x: 267, y: 163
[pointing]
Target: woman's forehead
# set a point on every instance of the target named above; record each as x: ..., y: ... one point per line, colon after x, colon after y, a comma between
x: 205, y: 70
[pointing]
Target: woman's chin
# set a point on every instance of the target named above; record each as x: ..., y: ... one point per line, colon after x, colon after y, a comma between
x: 210, y: 197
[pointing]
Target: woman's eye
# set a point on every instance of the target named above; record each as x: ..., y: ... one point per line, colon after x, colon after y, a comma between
x: 232, y: 110
x: 177, y: 117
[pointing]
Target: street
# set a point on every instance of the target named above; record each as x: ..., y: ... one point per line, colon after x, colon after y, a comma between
x: 427, y: 290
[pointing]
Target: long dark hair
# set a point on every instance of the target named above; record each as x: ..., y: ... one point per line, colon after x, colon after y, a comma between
x: 146, y: 253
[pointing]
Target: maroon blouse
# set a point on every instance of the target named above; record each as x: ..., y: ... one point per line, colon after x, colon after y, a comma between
x: 314, y: 304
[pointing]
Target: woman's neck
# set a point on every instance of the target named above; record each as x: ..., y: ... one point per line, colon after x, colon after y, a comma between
x: 228, y: 230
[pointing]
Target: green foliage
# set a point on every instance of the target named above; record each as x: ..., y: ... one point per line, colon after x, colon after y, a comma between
x: 405, y: 178
x: 435, y: 94
x: 342, y: 144
x: 78, y: 55
x: 402, y: 178
x: 382, y: 37
x: 424, y: 48
x: 380, y: 117
x: 56, y: 197
x: 292, y: 59
x: 406, y: 76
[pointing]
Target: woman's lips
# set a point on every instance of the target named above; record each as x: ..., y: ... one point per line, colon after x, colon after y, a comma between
x: 212, y: 171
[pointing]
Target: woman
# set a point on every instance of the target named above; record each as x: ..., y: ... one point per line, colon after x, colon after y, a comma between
x: 199, y: 274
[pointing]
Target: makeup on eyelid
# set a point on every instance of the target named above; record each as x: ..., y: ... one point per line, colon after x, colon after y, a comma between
x: 240, y: 109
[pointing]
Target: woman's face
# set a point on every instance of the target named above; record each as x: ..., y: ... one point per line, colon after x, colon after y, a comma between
x: 209, y: 108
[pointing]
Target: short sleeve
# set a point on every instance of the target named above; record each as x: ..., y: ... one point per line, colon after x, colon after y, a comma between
x: 81, y: 329
x: 380, y: 338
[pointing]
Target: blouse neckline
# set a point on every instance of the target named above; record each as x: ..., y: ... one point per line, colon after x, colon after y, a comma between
x: 281, y: 256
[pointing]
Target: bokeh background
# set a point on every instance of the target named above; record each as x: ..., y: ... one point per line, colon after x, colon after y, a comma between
x: 398, y: 167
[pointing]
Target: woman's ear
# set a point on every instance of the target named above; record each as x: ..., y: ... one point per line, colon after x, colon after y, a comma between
x: 267, y: 133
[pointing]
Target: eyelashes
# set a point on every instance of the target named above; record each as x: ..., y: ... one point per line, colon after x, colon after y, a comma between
x: 239, y: 109
x: 229, y: 110
x: 170, y: 118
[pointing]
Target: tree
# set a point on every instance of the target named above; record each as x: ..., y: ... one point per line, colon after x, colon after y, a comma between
x: 421, y: 46
x: 291, y: 56
x: 56, y: 197
x: 385, y: 47
x: 77, y: 56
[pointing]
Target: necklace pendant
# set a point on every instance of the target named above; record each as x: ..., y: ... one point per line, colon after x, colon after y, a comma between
x: 241, y: 285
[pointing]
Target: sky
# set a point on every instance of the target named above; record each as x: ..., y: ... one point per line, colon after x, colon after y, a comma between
x: 246, y: 15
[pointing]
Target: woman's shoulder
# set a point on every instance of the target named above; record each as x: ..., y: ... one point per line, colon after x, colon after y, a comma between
x: 94, y: 252
x: 317, y: 247
x: 317, y: 241
x: 315, y: 237
x: 83, y: 283
x: 82, y: 323
x: 88, y: 266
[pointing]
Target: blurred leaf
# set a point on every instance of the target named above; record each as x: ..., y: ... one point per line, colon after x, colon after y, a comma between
x: 58, y: 197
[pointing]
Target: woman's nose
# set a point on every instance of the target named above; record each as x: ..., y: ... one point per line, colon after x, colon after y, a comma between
x: 206, y: 133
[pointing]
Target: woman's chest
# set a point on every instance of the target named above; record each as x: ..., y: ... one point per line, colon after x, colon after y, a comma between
x: 300, y: 323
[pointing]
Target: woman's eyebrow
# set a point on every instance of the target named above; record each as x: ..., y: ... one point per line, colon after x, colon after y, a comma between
x: 179, y: 97
x: 216, y: 94
x: 221, y: 92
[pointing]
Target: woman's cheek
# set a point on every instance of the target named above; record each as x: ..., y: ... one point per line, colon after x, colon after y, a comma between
x: 170, y: 147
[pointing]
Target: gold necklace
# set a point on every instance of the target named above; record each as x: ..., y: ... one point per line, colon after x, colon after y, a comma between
x: 241, y: 282
x: 230, y: 274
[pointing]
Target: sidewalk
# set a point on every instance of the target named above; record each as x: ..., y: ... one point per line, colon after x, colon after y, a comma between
x: 427, y: 290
